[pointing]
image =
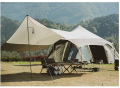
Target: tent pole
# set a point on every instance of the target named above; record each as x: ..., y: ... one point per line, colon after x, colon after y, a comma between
x: 29, y: 46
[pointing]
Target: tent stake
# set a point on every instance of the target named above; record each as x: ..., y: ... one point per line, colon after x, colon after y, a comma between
x: 29, y: 46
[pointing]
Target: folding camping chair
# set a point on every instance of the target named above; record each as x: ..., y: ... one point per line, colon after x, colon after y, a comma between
x: 45, y: 63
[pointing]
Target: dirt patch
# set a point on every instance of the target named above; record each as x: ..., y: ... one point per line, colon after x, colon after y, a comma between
x: 19, y: 75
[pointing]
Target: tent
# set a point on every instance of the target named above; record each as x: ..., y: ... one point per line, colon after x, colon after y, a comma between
x: 89, y: 47
x: 78, y: 44
x: 62, y: 52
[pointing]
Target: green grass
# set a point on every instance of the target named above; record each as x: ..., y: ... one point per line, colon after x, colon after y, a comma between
x: 104, y: 64
x: 24, y: 63
x: 97, y: 65
x: 35, y: 63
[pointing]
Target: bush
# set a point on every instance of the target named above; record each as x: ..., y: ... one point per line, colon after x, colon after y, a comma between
x: 11, y: 59
x: 6, y: 59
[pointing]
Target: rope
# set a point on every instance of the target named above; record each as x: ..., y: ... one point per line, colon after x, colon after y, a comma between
x: 29, y: 47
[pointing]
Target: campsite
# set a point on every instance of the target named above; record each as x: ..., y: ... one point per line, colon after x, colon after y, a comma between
x: 70, y: 56
x: 37, y: 52
x: 17, y: 74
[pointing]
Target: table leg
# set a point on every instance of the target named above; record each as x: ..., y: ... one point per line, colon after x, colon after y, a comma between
x: 66, y: 69
x: 73, y: 68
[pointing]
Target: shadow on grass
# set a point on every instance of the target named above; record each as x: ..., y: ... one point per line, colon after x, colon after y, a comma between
x: 113, y: 70
x: 19, y: 77
x: 2, y: 70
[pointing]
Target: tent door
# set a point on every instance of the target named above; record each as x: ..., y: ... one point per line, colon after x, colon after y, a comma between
x: 98, y: 53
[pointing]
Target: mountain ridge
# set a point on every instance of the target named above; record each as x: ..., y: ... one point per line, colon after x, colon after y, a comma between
x: 68, y: 13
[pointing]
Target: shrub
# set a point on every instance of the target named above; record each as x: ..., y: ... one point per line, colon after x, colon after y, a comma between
x: 7, y: 59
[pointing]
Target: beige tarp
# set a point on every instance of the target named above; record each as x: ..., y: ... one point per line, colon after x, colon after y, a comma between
x: 40, y: 37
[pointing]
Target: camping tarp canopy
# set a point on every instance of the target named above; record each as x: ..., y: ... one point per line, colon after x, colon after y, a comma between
x: 41, y: 37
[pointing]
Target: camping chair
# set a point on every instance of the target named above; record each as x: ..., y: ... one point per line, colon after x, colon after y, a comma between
x: 45, y: 63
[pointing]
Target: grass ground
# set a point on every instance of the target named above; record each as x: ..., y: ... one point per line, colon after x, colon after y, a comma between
x: 25, y: 63
x: 18, y: 74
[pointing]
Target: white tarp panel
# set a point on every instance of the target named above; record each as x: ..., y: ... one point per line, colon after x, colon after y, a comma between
x: 111, y: 54
x: 84, y: 37
x: 85, y: 54
x: 39, y: 35
x: 78, y: 56
x: 80, y: 37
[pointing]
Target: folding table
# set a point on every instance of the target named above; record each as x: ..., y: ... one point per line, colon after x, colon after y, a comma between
x: 70, y: 65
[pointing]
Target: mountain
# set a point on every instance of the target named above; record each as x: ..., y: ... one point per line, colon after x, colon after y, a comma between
x: 8, y: 27
x: 106, y: 27
x: 63, y: 12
